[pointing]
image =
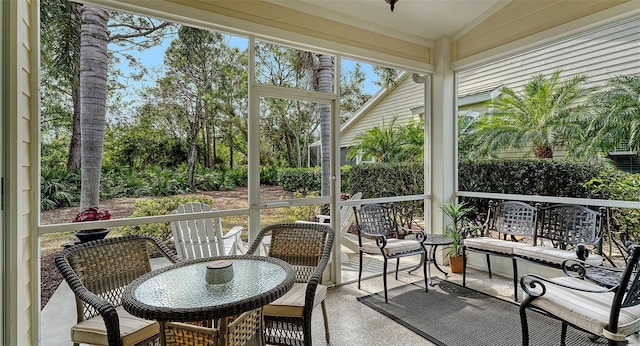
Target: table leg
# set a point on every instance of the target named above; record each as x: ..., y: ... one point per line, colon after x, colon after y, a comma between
x: 426, y: 263
x: 433, y: 249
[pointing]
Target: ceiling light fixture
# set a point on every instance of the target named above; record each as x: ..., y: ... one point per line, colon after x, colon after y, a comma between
x: 392, y: 3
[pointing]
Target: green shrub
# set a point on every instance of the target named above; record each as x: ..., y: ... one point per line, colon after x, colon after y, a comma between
x: 526, y: 177
x: 58, y: 188
x: 618, y: 185
x: 302, y: 180
x: 159, y: 206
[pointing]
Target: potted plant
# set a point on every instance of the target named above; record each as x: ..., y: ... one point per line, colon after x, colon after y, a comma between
x: 456, y: 212
x: 92, y: 214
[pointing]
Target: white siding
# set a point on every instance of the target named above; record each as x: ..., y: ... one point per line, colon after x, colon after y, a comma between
x: 600, y: 54
x: 397, y: 103
x: 20, y: 59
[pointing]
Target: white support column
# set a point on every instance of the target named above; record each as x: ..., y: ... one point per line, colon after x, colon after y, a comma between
x: 443, y: 134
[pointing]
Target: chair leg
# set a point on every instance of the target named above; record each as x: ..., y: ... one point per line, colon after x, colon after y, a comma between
x: 488, y: 265
x: 326, y: 321
x: 384, y: 280
x: 563, y: 334
x: 397, y: 266
x: 515, y: 279
x: 360, y: 270
x: 426, y: 278
x: 523, y: 323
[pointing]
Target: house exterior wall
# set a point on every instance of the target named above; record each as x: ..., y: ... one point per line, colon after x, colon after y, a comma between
x: 20, y: 275
x: 406, y: 95
x: 600, y: 54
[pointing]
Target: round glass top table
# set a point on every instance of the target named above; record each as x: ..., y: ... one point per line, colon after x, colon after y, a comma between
x: 179, y: 292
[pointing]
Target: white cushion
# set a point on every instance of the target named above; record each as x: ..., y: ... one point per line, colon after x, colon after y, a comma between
x: 393, y: 246
x: 589, y: 311
x: 132, y: 329
x: 492, y: 244
x: 292, y: 303
x: 553, y: 255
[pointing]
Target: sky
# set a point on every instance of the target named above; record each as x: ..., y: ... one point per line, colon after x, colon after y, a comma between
x: 153, y: 60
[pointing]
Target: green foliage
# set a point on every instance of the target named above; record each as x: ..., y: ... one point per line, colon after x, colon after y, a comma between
x: 457, y: 213
x: 617, y: 114
x: 390, y: 179
x: 304, y: 212
x: 269, y: 175
x: 156, y: 207
x: 527, y: 177
x: 392, y: 143
x: 618, y: 185
x: 58, y: 188
x: 547, y: 115
x: 301, y: 180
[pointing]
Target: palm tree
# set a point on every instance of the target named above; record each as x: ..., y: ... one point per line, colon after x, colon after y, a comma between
x: 93, y: 96
x: 384, y: 143
x: 325, y: 84
x: 546, y: 115
x: 617, y: 115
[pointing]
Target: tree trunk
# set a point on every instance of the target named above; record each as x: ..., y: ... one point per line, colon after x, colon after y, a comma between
x: 193, y: 157
x: 325, y: 84
x: 544, y: 152
x: 73, y: 160
x: 93, y: 95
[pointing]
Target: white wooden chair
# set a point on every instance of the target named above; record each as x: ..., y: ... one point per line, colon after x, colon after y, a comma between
x: 203, y: 237
x: 347, y: 216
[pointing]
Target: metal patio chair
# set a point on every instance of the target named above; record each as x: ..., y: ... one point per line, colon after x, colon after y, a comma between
x: 379, y: 222
x: 609, y: 312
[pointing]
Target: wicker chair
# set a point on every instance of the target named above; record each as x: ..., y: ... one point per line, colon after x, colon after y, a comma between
x: 612, y: 313
x: 98, y: 272
x: 307, y: 247
x: 246, y: 329
x: 379, y: 222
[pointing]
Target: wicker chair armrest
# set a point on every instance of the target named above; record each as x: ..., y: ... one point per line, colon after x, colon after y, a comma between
x: 316, y: 276
x: 163, y: 248
x: 535, y: 286
x: 106, y: 310
x: 233, y: 232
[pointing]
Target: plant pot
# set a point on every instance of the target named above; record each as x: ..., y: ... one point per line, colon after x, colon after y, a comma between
x: 456, y: 264
x: 92, y: 234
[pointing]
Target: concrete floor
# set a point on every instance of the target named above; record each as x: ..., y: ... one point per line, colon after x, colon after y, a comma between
x: 350, y: 322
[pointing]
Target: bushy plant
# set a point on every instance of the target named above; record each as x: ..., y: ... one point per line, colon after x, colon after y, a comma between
x: 159, y: 206
x: 58, y: 188
x: 301, y: 180
x: 618, y: 185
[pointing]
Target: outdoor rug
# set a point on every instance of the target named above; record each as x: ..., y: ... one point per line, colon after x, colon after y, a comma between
x: 452, y: 315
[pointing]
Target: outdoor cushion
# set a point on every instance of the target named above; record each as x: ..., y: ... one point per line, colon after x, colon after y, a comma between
x: 132, y: 329
x: 394, y: 246
x: 553, y: 255
x: 589, y: 311
x: 493, y: 244
x: 292, y: 303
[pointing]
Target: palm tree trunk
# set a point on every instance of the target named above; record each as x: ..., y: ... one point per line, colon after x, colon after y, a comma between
x: 93, y: 95
x: 325, y: 84
x: 73, y: 160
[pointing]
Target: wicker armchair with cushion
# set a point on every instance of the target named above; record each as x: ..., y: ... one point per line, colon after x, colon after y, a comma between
x: 307, y: 248
x: 98, y: 272
x: 609, y: 312
x: 245, y: 329
x: 378, y: 222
